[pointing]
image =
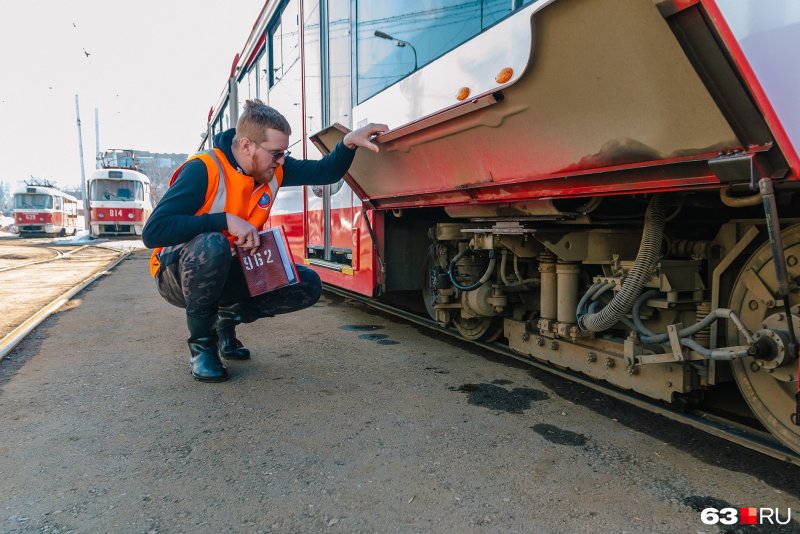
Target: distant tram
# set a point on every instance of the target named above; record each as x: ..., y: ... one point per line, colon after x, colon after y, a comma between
x: 45, y: 210
x: 119, y: 196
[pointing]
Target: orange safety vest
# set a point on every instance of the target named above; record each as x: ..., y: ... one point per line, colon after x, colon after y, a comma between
x: 235, y: 193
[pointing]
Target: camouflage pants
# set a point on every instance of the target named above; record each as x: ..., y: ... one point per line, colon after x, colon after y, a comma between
x: 205, y: 277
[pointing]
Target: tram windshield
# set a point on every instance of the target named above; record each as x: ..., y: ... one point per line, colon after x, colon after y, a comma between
x: 33, y: 201
x: 395, y: 38
x: 117, y: 190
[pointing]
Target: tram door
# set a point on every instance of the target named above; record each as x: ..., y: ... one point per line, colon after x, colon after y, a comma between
x: 330, y: 209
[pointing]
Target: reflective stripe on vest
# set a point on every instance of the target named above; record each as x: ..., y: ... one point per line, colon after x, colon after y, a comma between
x: 218, y: 205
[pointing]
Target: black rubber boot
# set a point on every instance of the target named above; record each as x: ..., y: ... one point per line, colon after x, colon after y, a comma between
x: 230, y: 348
x: 205, y: 363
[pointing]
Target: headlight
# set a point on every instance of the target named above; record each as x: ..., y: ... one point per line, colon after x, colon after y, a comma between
x: 130, y: 215
x: 101, y: 215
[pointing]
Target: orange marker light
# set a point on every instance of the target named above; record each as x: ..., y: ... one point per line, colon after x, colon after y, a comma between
x: 504, y: 75
x: 463, y: 93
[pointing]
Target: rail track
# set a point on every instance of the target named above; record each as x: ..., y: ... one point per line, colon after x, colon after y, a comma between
x: 31, y: 291
x: 59, y: 254
x: 732, y: 431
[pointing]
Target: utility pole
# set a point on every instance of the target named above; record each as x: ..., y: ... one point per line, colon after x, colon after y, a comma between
x: 98, y: 158
x: 85, y: 189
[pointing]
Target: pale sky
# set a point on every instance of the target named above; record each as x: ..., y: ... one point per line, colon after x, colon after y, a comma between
x: 154, y: 70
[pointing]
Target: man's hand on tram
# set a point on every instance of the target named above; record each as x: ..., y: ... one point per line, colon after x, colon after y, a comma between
x: 363, y: 136
x: 245, y: 233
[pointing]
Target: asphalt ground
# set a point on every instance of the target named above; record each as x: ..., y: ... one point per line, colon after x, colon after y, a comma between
x: 344, y: 420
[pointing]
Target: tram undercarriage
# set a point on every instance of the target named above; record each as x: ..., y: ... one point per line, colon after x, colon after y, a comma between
x: 668, y: 296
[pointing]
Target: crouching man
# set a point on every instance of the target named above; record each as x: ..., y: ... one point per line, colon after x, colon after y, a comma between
x: 223, y: 197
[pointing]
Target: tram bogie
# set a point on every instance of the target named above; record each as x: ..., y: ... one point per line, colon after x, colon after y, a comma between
x: 41, y: 210
x: 577, y: 179
x: 541, y: 281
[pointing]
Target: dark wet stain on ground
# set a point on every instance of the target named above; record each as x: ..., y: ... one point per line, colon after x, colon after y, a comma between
x: 496, y: 398
x: 361, y: 327
x: 380, y: 339
x: 373, y: 337
x: 437, y: 370
x: 502, y: 382
x: 699, y: 503
x: 553, y: 434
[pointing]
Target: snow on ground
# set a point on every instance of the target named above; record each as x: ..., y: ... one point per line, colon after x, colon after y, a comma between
x: 124, y: 245
x: 5, y: 224
x: 80, y: 238
x: 7, y: 234
x: 83, y: 238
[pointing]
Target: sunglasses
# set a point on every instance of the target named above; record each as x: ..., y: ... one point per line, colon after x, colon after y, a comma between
x: 276, y: 155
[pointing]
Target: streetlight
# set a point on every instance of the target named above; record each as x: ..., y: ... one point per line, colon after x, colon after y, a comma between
x: 398, y: 42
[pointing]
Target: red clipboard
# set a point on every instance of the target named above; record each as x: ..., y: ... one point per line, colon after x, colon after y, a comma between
x: 272, y: 265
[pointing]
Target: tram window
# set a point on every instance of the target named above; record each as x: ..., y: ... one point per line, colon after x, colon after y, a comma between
x: 57, y: 204
x: 284, y: 42
x: 290, y: 36
x: 414, y: 33
x: 262, y: 82
x: 243, y: 90
x: 313, y: 72
x: 252, y: 81
x: 117, y: 190
x: 33, y: 201
x: 275, y: 70
x: 339, y: 61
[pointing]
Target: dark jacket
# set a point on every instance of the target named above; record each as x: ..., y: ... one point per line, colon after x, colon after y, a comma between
x: 173, y: 221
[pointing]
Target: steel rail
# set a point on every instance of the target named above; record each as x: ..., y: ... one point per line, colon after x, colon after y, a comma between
x: 745, y: 436
x: 59, y: 256
x: 13, y: 338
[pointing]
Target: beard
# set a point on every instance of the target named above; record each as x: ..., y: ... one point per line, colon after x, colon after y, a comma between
x: 263, y: 176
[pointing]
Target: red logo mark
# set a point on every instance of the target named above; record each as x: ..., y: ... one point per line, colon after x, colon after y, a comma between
x: 748, y: 516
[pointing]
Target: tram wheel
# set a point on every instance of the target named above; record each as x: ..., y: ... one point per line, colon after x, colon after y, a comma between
x: 769, y: 387
x: 62, y: 233
x: 486, y: 329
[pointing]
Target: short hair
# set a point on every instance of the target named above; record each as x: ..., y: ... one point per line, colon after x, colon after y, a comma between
x: 257, y: 117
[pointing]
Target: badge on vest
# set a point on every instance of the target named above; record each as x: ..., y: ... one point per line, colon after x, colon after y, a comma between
x: 264, y: 201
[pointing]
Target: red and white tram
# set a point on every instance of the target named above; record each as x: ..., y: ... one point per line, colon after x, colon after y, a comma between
x: 45, y: 210
x: 610, y: 186
x: 119, y: 196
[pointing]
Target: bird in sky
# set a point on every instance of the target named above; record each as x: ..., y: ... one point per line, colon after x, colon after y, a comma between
x: 87, y: 53
x: 73, y: 25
